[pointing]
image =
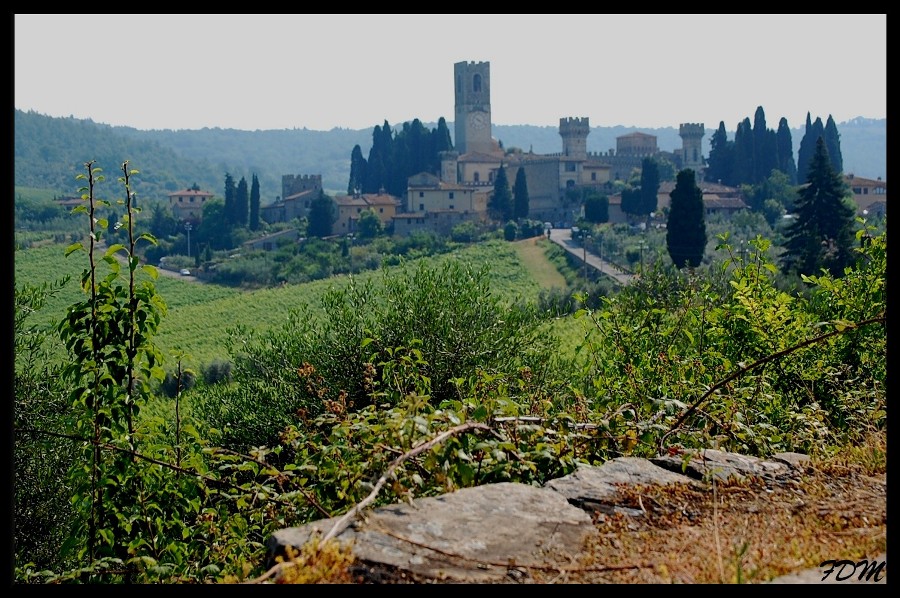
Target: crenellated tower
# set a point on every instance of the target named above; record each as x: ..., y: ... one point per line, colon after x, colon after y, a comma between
x: 691, y: 149
x: 472, y: 121
x: 574, y: 132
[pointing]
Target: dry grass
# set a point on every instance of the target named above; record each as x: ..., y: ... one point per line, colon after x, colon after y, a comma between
x: 736, y: 532
x: 532, y: 255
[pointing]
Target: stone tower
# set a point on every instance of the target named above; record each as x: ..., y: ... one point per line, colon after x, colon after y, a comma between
x: 574, y: 132
x: 472, y: 122
x: 691, y: 156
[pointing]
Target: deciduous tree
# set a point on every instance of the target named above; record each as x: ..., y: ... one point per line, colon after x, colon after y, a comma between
x: 322, y: 211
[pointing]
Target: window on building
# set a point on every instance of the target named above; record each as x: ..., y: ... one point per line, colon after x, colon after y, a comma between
x: 451, y: 195
x: 593, y: 176
x: 451, y: 206
x: 476, y: 82
x: 476, y: 177
x: 421, y: 194
x: 421, y: 207
x: 570, y: 166
x: 381, y: 210
x: 358, y: 210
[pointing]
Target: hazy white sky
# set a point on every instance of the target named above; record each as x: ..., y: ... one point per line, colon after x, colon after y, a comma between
x: 356, y: 71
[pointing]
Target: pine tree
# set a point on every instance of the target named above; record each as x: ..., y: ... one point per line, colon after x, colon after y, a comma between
x: 520, y: 196
x: 833, y: 144
x: 821, y: 236
x: 254, y: 203
x: 500, y: 202
x: 686, y: 227
x: 784, y: 150
x: 241, y: 203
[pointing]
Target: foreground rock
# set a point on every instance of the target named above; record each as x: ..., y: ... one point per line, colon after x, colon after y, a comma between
x: 496, y: 532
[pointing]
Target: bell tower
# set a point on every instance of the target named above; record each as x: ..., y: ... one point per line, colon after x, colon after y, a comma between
x: 472, y: 120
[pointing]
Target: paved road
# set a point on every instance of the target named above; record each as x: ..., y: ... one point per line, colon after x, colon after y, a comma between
x: 563, y: 238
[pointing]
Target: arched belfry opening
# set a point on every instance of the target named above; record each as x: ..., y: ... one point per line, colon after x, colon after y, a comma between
x: 476, y: 82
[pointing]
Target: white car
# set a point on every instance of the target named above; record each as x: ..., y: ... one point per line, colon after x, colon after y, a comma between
x: 184, y: 272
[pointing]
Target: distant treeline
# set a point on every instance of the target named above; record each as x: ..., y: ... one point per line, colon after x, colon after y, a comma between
x: 50, y: 151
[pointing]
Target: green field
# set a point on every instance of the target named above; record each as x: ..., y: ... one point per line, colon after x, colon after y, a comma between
x: 200, y: 315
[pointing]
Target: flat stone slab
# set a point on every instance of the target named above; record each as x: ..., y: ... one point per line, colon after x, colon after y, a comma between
x: 712, y: 463
x: 472, y: 535
x: 595, y: 488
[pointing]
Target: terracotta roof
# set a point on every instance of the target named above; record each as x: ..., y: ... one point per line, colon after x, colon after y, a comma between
x: 636, y: 134
x: 189, y: 192
x: 852, y: 179
x: 479, y: 157
x: 367, y: 199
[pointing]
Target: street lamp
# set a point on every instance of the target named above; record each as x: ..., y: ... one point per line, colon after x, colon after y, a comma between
x: 641, y: 247
x: 585, y: 237
x: 350, y: 250
x: 188, y: 227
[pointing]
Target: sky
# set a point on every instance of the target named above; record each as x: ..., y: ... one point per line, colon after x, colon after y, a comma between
x: 260, y: 72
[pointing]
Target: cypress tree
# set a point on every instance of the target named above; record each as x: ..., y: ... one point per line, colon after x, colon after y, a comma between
x: 254, y: 203
x: 520, y: 195
x: 686, y: 227
x: 784, y: 149
x: 357, y: 182
x: 763, y: 150
x: 500, y: 202
x: 814, y: 130
x: 241, y: 203
x: 721, y: 157
x: 821, y: 236
x: 229, y: 212
x: 743, y: 153
x: 833, y: 144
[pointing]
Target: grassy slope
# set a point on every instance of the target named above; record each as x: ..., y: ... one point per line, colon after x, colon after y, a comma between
x: 200, y: 315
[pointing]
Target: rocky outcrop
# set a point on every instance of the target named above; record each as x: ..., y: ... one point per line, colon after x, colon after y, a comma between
x: 483, y: 534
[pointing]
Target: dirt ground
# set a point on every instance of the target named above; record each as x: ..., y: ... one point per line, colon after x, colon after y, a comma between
x: 750, y: 532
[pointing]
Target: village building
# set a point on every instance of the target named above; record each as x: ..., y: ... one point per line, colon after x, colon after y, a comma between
x: 187, y: 204
x: 869, y: 195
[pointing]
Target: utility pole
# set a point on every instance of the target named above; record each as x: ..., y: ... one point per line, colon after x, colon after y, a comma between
x: 188, y: 227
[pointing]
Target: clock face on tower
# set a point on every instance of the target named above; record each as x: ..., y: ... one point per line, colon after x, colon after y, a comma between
x: 478, y: 120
